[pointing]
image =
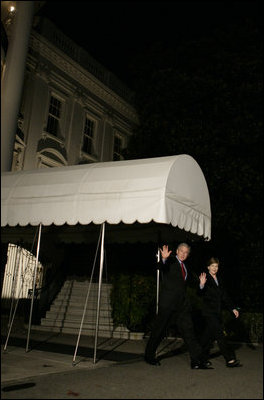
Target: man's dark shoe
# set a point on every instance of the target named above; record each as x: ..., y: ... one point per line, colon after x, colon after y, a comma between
x: 234, y: 364
x: 208, y: 363
x: 152, y: 361
x: 200, y: 365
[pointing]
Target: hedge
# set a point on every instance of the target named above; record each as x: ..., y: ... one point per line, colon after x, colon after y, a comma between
x: 133, y: 302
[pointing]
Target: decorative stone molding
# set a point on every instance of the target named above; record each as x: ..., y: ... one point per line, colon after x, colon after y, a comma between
x: 20, y: 123
x: 87, y: 158
x: 42, y: 70
x: 46, y: 135
x: 82, y: 76
x: 79, y: 95
x: 109, y: 115
x: 50, y: 157
x: 51, y: 146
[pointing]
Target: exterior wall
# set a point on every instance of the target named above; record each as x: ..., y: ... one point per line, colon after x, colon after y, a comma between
x: 56, y: 66
x: 51, y: 71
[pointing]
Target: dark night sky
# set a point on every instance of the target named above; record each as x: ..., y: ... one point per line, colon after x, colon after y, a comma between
x: 113, y: 32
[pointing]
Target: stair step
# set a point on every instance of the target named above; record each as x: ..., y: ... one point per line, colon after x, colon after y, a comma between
x: 75, y: 284
x: 86, y: 287
x: 75, y: 306
x: 66, y: 311
x: 82, y: 296
x: 78, y: 317
x: 93, y: 286
x: 76, y: 324
x: 80, y: 301
x: 117, y: 334
x: 85, y: 290
x: 77, y: 313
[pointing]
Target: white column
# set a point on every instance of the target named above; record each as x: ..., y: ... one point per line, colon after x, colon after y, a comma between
x: 13, y: 79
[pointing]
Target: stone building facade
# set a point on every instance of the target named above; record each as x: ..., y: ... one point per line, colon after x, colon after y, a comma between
x: 72, y: 109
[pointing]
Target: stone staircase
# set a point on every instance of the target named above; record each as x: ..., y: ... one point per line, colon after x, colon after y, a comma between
x: 66, y: 311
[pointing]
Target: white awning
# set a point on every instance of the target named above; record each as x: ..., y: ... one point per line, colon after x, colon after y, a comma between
x: 169, y: 190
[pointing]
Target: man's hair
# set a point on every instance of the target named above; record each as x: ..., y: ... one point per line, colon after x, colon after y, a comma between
x: 184, y: 245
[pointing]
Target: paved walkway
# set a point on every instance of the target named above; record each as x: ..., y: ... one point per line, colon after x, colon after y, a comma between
x: 47, y: 370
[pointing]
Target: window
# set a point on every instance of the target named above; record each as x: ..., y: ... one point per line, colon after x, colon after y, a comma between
x: 53, y: 124
x: 117, y: 148
x: 88, y: 136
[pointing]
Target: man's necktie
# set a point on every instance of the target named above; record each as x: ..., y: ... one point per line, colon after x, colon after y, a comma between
x: 183, y: 270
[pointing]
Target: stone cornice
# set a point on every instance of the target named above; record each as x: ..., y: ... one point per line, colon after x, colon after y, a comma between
x: 79, y: 74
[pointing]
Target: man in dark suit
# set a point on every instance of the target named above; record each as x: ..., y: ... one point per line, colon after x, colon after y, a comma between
x: 174, y: 303
x: 214, y: 298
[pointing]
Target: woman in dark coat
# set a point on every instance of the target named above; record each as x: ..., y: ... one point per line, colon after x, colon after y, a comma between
x: 214, y: 297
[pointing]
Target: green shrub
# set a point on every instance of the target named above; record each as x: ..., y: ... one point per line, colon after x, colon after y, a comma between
x: 133, y: 301
x: 247, y: 328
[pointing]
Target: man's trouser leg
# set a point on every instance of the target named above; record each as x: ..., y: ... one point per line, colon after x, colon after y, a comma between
x: 186, y: 329
x: 157, y: 332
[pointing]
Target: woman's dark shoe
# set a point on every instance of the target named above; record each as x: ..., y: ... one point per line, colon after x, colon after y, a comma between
x: 235, y: 363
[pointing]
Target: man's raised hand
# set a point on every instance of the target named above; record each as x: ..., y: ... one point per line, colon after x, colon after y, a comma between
x: 165, y: 252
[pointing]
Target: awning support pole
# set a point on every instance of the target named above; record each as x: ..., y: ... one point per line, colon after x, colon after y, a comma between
x: 158, y: 280
x: 86, y: 300
x: 34, y: 283
x: 157, y: 294
x: 99, y: 290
